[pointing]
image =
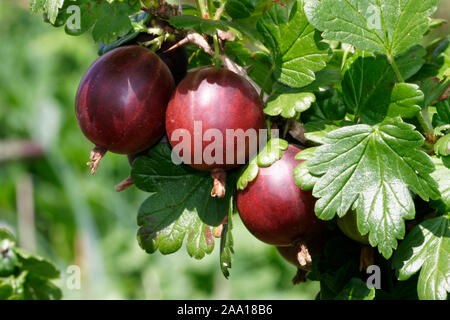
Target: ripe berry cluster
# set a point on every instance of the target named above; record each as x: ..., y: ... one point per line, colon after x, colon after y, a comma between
x: 130, y: 97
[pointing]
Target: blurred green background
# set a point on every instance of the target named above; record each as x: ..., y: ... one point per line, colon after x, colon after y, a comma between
x: 61, y: 212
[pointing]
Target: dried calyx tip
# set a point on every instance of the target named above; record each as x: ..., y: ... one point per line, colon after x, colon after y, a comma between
x: 304, y: 257
x: 96, y: 156
x: 219, y: 176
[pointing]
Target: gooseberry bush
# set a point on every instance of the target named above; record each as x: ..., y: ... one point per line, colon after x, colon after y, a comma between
x: 351, y: 179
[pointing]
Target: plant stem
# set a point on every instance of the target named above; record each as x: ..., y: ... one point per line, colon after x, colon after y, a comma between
x: 202, y: 7
x: 424, y: 119
x: 395, y: 68
x: 210, y: 8
x: 217, y: 59
x: 269, y: 128
x: 219, y: 11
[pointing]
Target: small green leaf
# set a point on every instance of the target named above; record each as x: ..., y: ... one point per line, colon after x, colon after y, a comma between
x: 36, y: 288
x: 356, y: 289
x: 179, y: 207
x: 272, y: 152
x: 381, y: 26
x: 375, y: 166
x: 294, y: 44
x: 37, y: 265
x: 288, y: 103
x: 302, y: 177
x: 427, y: 247
x: 405, y: 100
x: 226, y: 242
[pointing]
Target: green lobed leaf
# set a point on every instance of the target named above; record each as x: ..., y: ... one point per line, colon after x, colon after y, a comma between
x: 427, y: 247
x: 302, y: 177
x: 288, y: 102
x: 294, y: 43
x: 405, y: 100
x: 36, y: 288
x: 374, y: 166
x: 272, y: 152
x: 226, y: 241
x: 356, y: 289
x: 36, y: 265
x: 381, y: 26
x: 180, y: 206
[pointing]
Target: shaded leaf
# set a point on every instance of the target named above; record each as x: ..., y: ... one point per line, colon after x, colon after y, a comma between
x: 427, y: 247
x: 180, y: 207
x: 405, y: 100
x: 288, y: 103
x: 356, y: 289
